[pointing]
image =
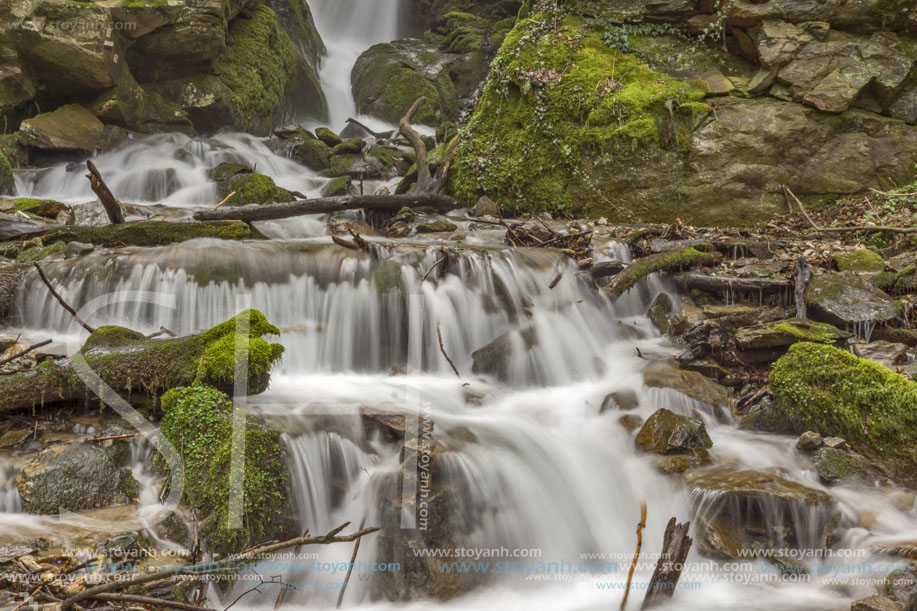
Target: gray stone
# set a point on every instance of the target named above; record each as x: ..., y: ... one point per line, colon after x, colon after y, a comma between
x: 847, y: 299
x: 668, y: 433
x: 809, y: 441
x: 876, y: 603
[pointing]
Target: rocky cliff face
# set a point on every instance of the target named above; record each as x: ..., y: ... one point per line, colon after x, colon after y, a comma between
x: 698, y: 110
x: 155, y: 65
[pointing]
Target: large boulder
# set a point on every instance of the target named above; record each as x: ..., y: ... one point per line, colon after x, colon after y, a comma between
x: 249, y: 187
x: 73, y: 478
x: 388, y: 77
x: 69, y: 128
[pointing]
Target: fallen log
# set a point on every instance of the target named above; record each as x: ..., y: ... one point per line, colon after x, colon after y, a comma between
x: 152, y: 233
x: 714, y: 284
x: 675, y: 547
x: 660, y: 262
x: 426, y: 183
x: 21, y: 228
x: 327, y: 205
x: 129, y: 362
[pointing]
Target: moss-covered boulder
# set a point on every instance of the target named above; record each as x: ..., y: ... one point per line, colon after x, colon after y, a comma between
x: 46, y: 209
x: 198, y: 420
x: 69, y: 128
x: 342, y: 185
x: 328, y: 137
x: 388, y: 77
x: 74, y: 477
x: 668, y: 433
x: 250, y: 188
x: 313, y: 153
x: 785, y: 333
x: 824, y: 389
x: 846, y: 298
x: 834, y: 465
x: 861, y: 260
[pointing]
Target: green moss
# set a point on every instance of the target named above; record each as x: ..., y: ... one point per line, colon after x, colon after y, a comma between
x: 257, y: 66
x: 198, y: 421
x: 459, y: 32
x: 833, y: 392
x: 337, y: 186
x: 386, y: 276
x: 348, y: 147
x: 436, y: 227
x: 14, y: 153
x: 679, y: 259
x: 217, y: 364
x: 152, y: 233
x: 111, y: 336
x: 833, y: 465
x: 6, y: 175
x: 35, y: 253
x: 257, y: 189
x: 328, y: 137
x: 139, y: 4
x: 884, y: 280
x: 862, y: 260
x: 807, y: 331
x: 556, y: 103
x: 314, y: 153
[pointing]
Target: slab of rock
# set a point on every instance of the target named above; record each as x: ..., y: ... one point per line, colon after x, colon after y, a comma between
x: 876, y: 603
x: 668, y: 433
x: 847, y: 299
x: 620, y: 399
x: 884, y: 353
x: 785, y: 333
x: 494, y: 358
x: 688, y: 383
x: 19, y: 228
x: 833, y: 465
x: 69, y: 128
x: 809, y: 441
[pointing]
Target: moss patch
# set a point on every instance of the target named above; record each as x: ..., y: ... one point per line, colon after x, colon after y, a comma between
x: 832, y: 392
x: 6, y: 175
x: 862, y: 260
x: 153, y: 233
x: 676, y: 260
x: 198, y: 421
x: 557, y: 101
x: 35, y: 253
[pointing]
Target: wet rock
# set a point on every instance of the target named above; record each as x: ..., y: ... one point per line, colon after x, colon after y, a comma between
x: 328, y: 137
x: 630, y: 422
x: 759, y: 504
x: 876, y: 603
x: 672, y: 464
x: 660, y: 312
x: 719, y: 538
x: 847, y: 299
x: 884, y: 353
x: 45, y: 208
x: 809, y: 441
x: 833, y: 466
x: 901, y: 586
x: 620, y: 399
x: 69, y: 128
x: 77, y: 249
x: 494, y: 358
x: 688, y: 383
x: 436, y: 227
x: 250, y: 188
x: 668, y: 433
x: 22, y: 363
x: 314, y: 153
x: 784, y: 333
x: 71, y: 478
x: 13, y: 438
x: 341, y: 185
x: 485, y: 207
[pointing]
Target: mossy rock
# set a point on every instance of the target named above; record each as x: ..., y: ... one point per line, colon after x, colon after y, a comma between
x: 328, y: 137
x: 69, y: 128
x: 834, y: 465
x: 45, y: 208
x: 341, y: 185
x: 459, y: 32
x: 198, y: 420
x: 313, y: 153
x: 387, y: 79
x: 845, y: 298
x: 7, y: 184
x: 112, y: 336
x: 436, y: 227
x: 348, y: 147
x: 832, y: 392
x: 153, y: 233
x: 862, y: 260
x: 37, y: 253
x: 668, y: 433
x: 250, y: 188
x: 785, y: 333
x: 10, y: 148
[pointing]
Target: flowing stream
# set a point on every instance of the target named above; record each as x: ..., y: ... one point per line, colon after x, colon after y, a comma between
x: 528, y: 460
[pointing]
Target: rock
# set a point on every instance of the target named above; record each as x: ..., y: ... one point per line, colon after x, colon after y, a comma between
x: 809, y: 441
x: 620, y: 399
x: 689, y: 383
x: 348, y: 147
x: 672, y: 464
x: 668, y: 433
x: 876, y: 603
x: 494, y: 358
x: 901, y: 586
x: 630, y: 422
x: 20, y: 364
x: 861, y: 260
x: 837, y: 443
x: 250, y: 188
x: 753, y: 503
x: 314, y: 153
x: 13, y: 438
x: 388, y: 77
x: 834, y: 465
x: 7, y: 182
x: 69, y: 128
x: 721, y: 539
x: 328, y: 137
x: 436, y: 227
x: 660, y: 312
x: 77, y: 249
x: 485, y: 207
x: 847, y: 299
x: 784, y: 333
x: 71, y: 477
x: 884, y: 353
x: 338, y: 186
x: 18, y: 228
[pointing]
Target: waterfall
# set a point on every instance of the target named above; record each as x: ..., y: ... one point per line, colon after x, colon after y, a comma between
x: 348, y: 28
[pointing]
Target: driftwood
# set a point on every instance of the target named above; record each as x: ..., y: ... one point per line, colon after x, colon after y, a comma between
x: 661, y: 262
x: 231, y: 565
x: 327, y: 205
x: 675, y: 547
x: 803, y: 275
x: 704, y: 282
x: 630, y: 574
x: 439, y: 334
x: 25, y: 352
x: 426, y: 183
x: 111, y: 205
x: 14, y: 227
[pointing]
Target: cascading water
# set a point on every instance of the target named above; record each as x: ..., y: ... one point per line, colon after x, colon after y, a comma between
x: 528, y: 461
x: 349, y: 27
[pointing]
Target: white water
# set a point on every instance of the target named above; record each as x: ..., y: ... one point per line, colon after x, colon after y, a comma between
x: 531, y: 462
x: 348, y: 28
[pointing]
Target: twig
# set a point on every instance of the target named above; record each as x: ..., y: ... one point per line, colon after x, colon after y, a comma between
x: 432, y: 267
x: 224, y: 200
x: 25, y: 352
x: 345, y: 243
x: 27, y: 598
x: 801, y: 207
x: 60, y: 299
x: 630, y: 574
x: 556, y: 280
x: 353, y: 559
x: 442, y: 349
x: 232, y: 564
x: 162, y: 331
x: 110, y: 437
x: 148, y: 600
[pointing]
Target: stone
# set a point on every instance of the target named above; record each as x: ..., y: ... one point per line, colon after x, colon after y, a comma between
x: 837, y: 443
x: 485, y: 207
x: 71, y: 477
x: 668, y: 433
x: 625, y: 400
x: 338, y: 186
x: 901, y: 585
x: 495, y: 358
x: 328, y: 137
x: 77, y: 249
x: 688, y: 383
x: 809, y: 441
x: 876, y: 603
x: 672, y: 464
x: 784, y: 333
x: 834, y: 465
x: 250, y: 188
x: 660, y: 312
x: 883, y: 352
x: 436, y: 227
x: 13, y: 438
x: 630, y: 422
x: 845, y: 298
x: 69, y: 128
